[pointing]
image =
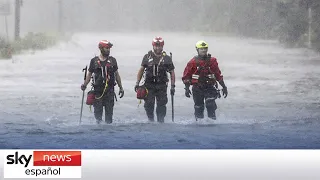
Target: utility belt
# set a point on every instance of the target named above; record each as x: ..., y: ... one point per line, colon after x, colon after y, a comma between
x: 157, y: 79
x: 209, y: 79
x: 153, y: 85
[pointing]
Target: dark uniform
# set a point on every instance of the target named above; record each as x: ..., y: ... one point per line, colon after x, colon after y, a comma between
x: 156, y: 81
x: 103, y: 85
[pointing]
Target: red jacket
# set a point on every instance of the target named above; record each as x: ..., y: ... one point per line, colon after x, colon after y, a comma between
x: 206, y: 67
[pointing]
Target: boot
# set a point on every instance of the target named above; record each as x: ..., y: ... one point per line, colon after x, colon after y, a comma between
x: 212, y: 116
x: 151, y: 119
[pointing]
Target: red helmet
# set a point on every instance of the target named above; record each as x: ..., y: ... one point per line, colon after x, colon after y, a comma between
x: 142, y: 92
x: 158, y: 41
x: 105, y: 44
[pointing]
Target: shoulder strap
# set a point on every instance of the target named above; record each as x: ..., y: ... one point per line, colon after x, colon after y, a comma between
x: 150, y: 54
x: 97, y: 61
x: 209, y: 62
x: 112, y: 60
x: 109, y: 59
x: 196, y: 58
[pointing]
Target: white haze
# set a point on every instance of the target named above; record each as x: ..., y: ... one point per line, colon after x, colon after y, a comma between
x: 273, y: 97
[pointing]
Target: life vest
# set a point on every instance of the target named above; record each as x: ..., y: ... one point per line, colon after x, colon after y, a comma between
x: 203, y: 75
x: 156, y: 72
x: 104, y: 73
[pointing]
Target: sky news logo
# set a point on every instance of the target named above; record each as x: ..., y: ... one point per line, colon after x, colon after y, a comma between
x: 42, y: 164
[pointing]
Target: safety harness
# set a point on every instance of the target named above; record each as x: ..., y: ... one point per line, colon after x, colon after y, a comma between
x: 105, y: 75
x: 155, y: 75
x: 197, y: 77
x: 155, y: 67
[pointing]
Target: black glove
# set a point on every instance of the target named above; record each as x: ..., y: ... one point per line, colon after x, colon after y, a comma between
x: 187, y: 92
x: 225, y: 92
x: 83, y: 87
x: 136, y: 88
x: 121, y: 92
x: 172, y: 90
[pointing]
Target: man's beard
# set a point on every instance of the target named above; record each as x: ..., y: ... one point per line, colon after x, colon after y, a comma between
x: 202, y: 54
x: 105, y: 53
x: 157, y: 52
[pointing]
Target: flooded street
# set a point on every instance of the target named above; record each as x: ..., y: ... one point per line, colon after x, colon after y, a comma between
x: 273, y: 99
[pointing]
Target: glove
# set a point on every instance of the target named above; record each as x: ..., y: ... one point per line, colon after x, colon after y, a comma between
x: 83, y: 87
x: 225, y: 92
x: 187, y: 92
x: 172, y: 90
x: 121, y: 92
x: 136, y: 86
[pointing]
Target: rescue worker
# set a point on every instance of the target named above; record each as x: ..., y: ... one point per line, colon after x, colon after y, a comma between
x: 156, y: 64
x: 103, y: 69
x: 203, y: 73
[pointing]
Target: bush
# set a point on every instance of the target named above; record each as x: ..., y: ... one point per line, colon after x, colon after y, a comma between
x: 5, y: 49
x: 32, y: 41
